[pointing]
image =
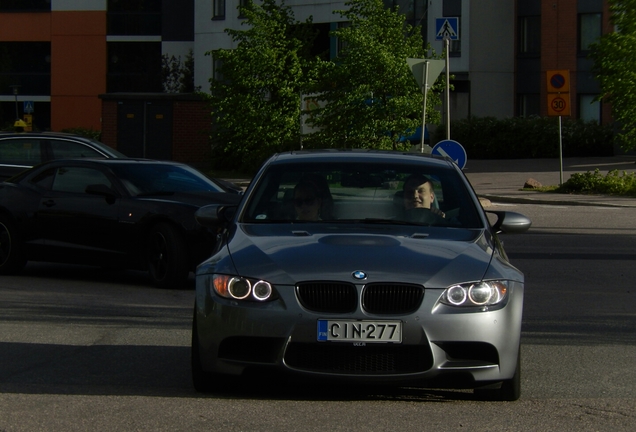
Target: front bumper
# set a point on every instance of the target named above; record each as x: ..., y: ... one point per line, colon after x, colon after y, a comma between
x: 452, y: 347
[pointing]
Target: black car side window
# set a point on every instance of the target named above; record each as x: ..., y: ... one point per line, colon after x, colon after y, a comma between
x: 45, y: 179
x: 67, y: 149
x: 76, y: 179
x: 22, y: 152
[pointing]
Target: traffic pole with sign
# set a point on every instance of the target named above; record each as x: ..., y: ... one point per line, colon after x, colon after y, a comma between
x: 558, y: 82
x: 424, y: 70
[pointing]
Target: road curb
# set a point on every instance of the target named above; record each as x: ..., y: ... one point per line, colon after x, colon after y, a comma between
x: 489, y: 199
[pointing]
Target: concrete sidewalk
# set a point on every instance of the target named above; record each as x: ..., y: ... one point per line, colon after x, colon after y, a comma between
x: 502, y: 180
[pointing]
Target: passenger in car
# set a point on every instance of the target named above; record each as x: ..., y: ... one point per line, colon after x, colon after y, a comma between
x: 307, y: 201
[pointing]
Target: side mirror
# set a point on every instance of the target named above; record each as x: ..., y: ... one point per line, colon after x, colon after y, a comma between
x: 211, y: 216
x: 510, y: 222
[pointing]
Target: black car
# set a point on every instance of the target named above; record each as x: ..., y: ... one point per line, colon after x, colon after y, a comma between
x: 129, y: 213
x: 22, y: 150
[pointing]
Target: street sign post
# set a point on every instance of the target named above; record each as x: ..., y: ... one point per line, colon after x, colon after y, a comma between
x: 28, y: 107
x: 424, y: 70
x: 447, y: 29
x: 558, y: 82
x: 453, y: 150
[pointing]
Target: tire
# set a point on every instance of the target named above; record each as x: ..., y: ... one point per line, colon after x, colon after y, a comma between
x: 510, y: 390
x: 204, y: 382
x: 12, y: 257
x: 167, y: 257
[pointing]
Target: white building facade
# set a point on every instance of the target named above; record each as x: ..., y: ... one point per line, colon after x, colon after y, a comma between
x: 482, y: 61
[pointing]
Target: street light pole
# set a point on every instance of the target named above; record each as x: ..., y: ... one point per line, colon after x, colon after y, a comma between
x: 15, y: 94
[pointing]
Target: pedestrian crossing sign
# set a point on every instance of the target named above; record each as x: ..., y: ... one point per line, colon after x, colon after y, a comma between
x: 447, y: 28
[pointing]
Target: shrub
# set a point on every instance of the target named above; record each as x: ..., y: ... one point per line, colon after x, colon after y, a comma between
x: 532, y: 137
x: 613, y: 183
x: 88, y: 133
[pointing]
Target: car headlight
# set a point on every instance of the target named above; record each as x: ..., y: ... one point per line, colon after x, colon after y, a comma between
x: 485, y: 293
x: 240, y: 288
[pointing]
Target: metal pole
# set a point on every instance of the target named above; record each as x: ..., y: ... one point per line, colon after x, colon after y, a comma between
x: 560, y: 154
x: 424, y: 91
x: 301, y: 120
x: 447, y: 47
x: 15, y: 94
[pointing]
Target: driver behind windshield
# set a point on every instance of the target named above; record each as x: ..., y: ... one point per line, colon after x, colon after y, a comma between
x: 419, y: 194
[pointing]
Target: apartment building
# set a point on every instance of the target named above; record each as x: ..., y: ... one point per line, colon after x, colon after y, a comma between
x: 60, y: 55
x: 556, y: 35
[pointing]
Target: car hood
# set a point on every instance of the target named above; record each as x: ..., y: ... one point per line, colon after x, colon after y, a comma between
x: 284, y: 255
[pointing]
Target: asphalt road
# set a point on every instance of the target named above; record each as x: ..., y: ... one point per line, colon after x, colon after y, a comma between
x: 85, y: 349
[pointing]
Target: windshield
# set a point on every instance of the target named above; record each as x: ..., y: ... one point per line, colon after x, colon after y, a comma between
x: 364, y: 193
x: 161, y: 179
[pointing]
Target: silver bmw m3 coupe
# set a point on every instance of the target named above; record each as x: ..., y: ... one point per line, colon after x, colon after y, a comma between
x: 360, y: 265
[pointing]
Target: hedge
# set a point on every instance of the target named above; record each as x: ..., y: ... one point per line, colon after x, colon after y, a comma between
x: 532, y: 137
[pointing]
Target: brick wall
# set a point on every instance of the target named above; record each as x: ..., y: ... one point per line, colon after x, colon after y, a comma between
x: 559, y: 32
x: 190, y: 125
x: 109, y: 123
x: 190, y: 130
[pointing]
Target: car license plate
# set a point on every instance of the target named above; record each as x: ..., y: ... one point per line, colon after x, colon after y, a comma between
x: 359, y: 331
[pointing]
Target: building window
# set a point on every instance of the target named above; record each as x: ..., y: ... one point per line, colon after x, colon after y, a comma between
x: 216, y: 69
x: 26, y: 65
x: 243, y: 4
x: 590, y: 30
x: 453, y: 8
x: 134, y: 67
x: 341, y: 45
x: 528, y: 105
x: 218, y: 9
x: 589, y: 108
x: 530, y: 35
x: 25, y: 6
x: 134, y: 17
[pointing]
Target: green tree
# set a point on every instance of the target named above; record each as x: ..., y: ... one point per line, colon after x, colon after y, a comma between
x: 368, y: 97
x: 255, y: 102
x: 615, y: 68
x: 177, y: 77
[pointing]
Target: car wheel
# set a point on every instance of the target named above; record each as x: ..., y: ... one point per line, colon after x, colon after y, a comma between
x: 510, y: 390
x: 204, y: 382
x: 12, y: 258
x: 167, y: 257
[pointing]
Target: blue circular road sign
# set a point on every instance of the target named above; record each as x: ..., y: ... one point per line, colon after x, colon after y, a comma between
x: 453, y: 150
x: 557, y: 81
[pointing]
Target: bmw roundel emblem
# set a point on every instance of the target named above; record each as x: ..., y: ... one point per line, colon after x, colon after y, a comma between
x: 358, y: 274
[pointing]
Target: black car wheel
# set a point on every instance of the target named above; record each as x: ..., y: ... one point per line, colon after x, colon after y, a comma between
x: 167, y: 257
x: 204, y: 382
x: 12, y: 257
x: 510, y: 390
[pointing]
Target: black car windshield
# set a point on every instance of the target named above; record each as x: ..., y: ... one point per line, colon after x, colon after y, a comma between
x: 369, y: 193
x: 161, y: 179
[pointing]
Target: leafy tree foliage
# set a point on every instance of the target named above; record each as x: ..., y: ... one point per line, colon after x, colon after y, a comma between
x: 255, y: 103
x: 615, y: 68
x: 177, y: 77
x: 368, y: 97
